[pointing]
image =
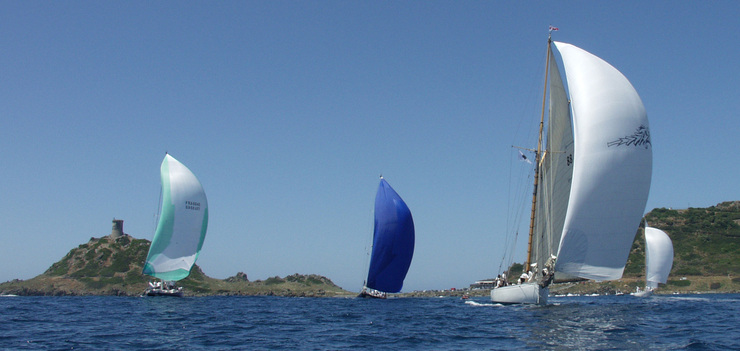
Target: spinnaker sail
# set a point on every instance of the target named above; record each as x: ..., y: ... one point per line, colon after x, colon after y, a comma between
x: 658, y: 257
x: 612, y: 168
x: 182, y: 224
x: 393, y: 241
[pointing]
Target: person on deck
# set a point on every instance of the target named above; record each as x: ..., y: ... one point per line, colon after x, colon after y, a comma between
x: 523, y: 278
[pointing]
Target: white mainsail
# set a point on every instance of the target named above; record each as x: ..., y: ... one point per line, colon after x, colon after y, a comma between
x: 556, y: 173
x: 658, y: 256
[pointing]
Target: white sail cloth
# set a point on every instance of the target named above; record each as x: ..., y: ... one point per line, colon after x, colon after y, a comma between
x: 612, y: 167
x: 182, y: 224
x: 658, y: 256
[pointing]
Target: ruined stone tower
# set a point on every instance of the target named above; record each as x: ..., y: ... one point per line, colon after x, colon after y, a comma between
x: 117, y: 231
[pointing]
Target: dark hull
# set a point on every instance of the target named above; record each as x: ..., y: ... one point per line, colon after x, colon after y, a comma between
x: 372, y: 293
x: 369, y: 296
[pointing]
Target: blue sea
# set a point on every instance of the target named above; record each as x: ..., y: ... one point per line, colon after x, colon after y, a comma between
x: 673, y: 322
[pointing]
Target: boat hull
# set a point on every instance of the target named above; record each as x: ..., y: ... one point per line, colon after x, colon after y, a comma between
x: 369, y: 296
x: 372, y: 293
x: 163, y: 289
x: 164, y: 292
x: 643, y: 293
x: 527, y: 293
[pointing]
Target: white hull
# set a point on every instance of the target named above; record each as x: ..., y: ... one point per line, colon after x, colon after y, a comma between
x: 644, y: 293
x: 527, y: 293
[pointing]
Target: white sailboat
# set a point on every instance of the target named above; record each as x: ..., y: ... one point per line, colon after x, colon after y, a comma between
x: 658, y: 260
x: 592, y: 175
x: 181, y: 229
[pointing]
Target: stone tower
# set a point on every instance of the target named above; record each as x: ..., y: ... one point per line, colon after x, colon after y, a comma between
x: 117, y: 231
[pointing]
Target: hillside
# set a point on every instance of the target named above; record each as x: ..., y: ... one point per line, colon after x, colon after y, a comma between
x: 107, y: 266
x: 706, y: 241
x: 706, y: 245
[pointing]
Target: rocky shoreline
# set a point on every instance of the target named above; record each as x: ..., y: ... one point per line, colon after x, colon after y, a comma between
x: 112, y: 266
x: 296, y: 285
x: 680, y: 285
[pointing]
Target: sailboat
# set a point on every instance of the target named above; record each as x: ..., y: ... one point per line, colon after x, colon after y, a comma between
x: 393, y: 244
x: 658, y: 260
x: 181, y: 229
x: 592, y: 176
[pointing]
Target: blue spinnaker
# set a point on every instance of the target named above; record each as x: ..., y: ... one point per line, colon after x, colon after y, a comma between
x: 393, y: 241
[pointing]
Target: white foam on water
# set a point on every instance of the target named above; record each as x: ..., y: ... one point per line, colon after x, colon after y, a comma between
x: 473, y: 303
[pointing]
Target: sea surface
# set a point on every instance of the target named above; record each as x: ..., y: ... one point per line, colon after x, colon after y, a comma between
x: 673, y: 322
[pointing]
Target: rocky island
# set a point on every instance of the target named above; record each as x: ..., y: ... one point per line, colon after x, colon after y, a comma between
x: 112, y: 265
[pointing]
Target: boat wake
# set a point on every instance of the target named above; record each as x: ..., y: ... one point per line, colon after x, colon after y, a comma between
x: 687, y: 298
x: 473, y: 303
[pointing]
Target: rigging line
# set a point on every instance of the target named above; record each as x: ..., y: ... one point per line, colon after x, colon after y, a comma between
x: 159, y: 212
x: 522, y: 189
x: 512, y: 199
x: 512, y: 211
x: 517, y: 206
x: 507, y: 259
x: 508, y: 216
x: 369, y: 246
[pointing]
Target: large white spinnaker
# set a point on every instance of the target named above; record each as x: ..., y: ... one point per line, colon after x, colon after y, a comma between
x: 182, y: 224
x: 612, y: 167
x: 658, y: 256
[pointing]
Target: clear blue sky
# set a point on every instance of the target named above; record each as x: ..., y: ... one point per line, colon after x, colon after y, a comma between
x: 288, y: 111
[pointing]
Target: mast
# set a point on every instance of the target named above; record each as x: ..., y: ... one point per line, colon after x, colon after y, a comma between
x: 537, y: 158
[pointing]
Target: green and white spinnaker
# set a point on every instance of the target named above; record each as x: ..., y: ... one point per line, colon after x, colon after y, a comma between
x: 182, y: 224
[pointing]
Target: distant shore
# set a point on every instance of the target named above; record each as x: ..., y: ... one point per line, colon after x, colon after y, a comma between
x: 675, y: 285
x: 298, y: 288
x: 296, y: 285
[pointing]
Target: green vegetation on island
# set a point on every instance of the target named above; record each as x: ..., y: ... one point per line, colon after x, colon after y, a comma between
x: 706, y: 241
x: 706, y: 246
x: 113, y: 266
